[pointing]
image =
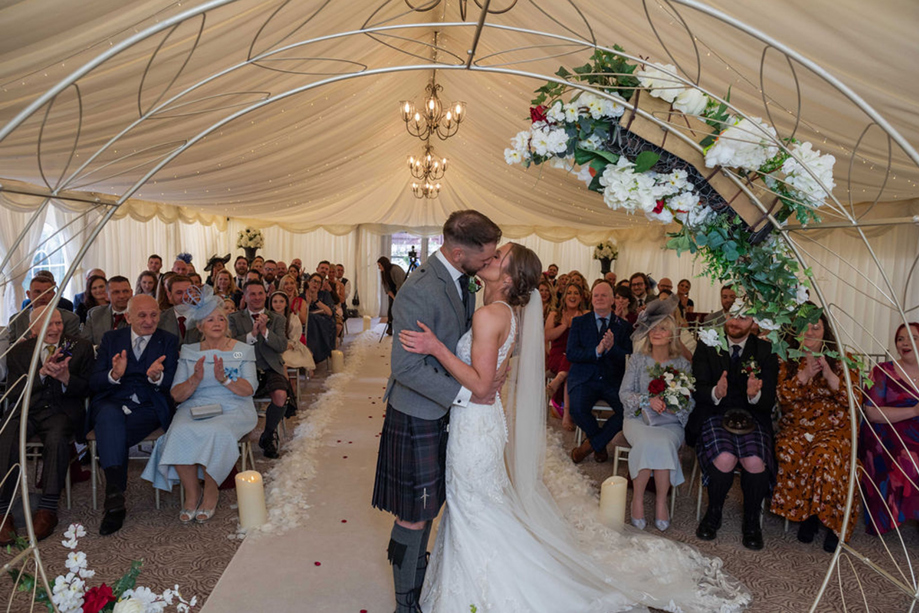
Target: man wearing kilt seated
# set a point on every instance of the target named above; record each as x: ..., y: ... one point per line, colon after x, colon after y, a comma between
x: 413, y: 447
x: 267, y: 332
x: 722, y: 385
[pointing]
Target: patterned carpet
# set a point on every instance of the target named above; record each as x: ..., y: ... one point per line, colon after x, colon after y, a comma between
x: 786, y: 576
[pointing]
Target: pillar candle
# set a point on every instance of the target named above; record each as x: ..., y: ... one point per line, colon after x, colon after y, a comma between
x: 250, y: 498
x: 338, y: 361
x: 367, y: 321
x: 612, y: 501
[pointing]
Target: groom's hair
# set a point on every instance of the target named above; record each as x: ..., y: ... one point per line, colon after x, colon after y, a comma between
x: 470, y: 228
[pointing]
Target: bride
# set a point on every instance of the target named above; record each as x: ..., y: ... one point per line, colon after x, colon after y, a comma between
x: 503, y: 544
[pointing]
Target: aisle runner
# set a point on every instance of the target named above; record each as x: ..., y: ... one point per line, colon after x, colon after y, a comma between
x: 325, y: 547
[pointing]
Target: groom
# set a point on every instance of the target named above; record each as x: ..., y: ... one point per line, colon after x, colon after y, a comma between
x: 410, y: 481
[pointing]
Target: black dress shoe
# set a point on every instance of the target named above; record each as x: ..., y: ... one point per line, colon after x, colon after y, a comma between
x: 808, y: 529
x: 831, y: 541
x: 752, y: 537
x: 112, y: 521
x: 708, y: 527
x: 269, y: 445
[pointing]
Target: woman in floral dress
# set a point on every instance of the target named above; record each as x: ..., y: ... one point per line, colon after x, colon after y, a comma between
x: 814, y: 445
x: 889, y: 442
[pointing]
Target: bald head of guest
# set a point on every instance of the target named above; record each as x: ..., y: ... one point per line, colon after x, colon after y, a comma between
x: 143, y: 314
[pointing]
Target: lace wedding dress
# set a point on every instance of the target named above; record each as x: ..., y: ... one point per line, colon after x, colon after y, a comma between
x: 503, y: 550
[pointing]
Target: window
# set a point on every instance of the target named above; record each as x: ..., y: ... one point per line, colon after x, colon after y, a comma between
x: 402, y: 245
x: 48, y: 256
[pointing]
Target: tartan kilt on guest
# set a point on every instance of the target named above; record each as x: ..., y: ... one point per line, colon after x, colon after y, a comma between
x: 270, y: 381
x: 715, y: 440
x: 410, y: 479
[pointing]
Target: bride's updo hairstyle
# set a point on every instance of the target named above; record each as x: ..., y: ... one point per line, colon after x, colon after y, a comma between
x: 525, y: 270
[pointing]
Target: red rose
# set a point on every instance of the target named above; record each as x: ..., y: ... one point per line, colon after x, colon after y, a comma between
x: 657, y: 386
x: 96, y: 598
x: 538, y: 113
x: 659, y: 207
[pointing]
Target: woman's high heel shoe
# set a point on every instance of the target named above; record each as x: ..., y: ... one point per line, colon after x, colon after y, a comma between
x: 639, y: 523
x: 187, y: 515
x: 203, y: 515
x: 662, y: 524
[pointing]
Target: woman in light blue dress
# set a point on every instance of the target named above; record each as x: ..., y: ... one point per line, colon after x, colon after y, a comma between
x: 217, y: 371
x: 653, y: 447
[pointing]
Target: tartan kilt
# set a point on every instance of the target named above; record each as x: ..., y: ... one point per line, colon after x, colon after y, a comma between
x: 410, y: 479
x: 270, y: 381
x: 715, y: 440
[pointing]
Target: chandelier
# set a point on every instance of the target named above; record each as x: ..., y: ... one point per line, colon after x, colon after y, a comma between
x: 428, y: 169
x: 431, y: 117
x: 426, y: 190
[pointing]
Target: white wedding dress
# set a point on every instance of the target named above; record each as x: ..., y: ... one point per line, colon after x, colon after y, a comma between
x: 492, y: 552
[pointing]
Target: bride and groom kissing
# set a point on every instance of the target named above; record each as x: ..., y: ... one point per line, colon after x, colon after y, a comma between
x: 502, y: 544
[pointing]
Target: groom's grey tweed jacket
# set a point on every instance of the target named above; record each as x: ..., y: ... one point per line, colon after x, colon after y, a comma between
x: 419, y: 385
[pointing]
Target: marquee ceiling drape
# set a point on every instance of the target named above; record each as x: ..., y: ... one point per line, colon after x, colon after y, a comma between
x: 335, y: 154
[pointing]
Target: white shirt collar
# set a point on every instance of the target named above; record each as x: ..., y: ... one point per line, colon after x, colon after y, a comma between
x: 454, y: 273
x: 742, y: 344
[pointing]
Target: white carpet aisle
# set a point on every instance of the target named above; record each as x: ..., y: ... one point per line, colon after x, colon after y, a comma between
x: 335, y: 560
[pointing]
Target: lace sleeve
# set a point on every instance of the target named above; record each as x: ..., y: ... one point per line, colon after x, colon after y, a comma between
x: 630, y: 392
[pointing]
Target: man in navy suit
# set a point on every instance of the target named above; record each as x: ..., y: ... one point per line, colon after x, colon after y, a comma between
x: 131, y: 381
x: 597, y: 348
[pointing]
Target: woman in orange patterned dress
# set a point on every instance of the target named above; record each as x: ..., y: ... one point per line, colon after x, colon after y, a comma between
x: 814, y: 442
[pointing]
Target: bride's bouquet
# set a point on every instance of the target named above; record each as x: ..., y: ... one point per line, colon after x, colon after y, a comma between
x: 674, y: 387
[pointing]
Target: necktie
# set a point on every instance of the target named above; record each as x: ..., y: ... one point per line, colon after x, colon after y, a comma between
x: 117, y: 320
x: 181, y: 319
x: 139, y: 347
x: 735, y: 353
x: 463, y: 282
x: 604, y: 326
x: 49, y: 351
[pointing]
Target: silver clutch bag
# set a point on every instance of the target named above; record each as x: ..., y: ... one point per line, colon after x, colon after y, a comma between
x: 206, y: 411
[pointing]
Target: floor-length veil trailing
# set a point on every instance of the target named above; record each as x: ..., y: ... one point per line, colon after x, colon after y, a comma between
x: 652, y: 570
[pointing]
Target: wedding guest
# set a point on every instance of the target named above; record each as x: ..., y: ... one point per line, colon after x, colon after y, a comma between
x: 155, y: 264
x: 610, y: 278
x: 251, y: 275
x: 93, y: 272
x: 134, y: 370
x: 391, y: 276
x: 267, y: 332
x: 547, y: 295
x: 654, y: 432
x: 180, y: 266
x: 220, y: 371
x: 269, y: 273
x: 552, y: 272
x: 225, y: 286
x: 162, y: 290
x: 298, y: 305
x: 597, y: 348
x: 258, y: 264
x: 641, y: 289
x: 214, y: 265
x: 728, y: 297
x: 337, y: 288
x: 813, y: 445
x: 320, y: 332
x: 624, y: 303
x: 560, y: 284
x: 196, y: 281
x: 174, y: 319
x: 557, y: 329
x: 241, y: 266
x: 888, y: 443
x: 95, y: 295
x: 682, y: 291
x: 340, y: 275
x: 41, y: 290
x: 229, y: 307
x: 296, y: 355
x: 112, y: 316
x: 146, y: 284
x: 722, y: 385
x: 62, y: 303
x: 282, y: 269
x: 56, y: 416
x: 665, y: 285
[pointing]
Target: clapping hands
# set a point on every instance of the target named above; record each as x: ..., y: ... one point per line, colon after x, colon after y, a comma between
x: 721, y: 388
x: 56, y: 368
x: 260, y: 324
x: 119, y: 364
x: 606, y: 343
x: 155, y: 372
x: 754, y: 385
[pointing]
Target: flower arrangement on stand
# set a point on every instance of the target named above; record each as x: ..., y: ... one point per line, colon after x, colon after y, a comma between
x: 606, y: 252
x: 70, y: 593
x: 250, y: 240
x: 582, y: 132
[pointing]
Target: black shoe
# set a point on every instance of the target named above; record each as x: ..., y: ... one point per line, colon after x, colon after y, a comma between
x: 112, y: 521
x: 290, y: 409
x: 708, y: 527
x: 269, y: 445
x: 752, y: 536
x: 807, y: 530
x: 831, y: 541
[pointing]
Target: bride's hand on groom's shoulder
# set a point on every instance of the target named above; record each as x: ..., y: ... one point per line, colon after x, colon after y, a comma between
x: 423, y: 342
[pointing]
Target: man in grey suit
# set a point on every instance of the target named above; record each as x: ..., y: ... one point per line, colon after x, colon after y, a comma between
x: 41, y: 291
x: 173, y: 321
x: 111, y: 316
x: 410, y: 481
x: 267, y: 331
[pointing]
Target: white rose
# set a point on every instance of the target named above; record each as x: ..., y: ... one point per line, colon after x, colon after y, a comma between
x: 690, y: 101
x: 737, y: 309
x: 512, y: 156
x: 767, y: 324
x: 802, y: 294
x: 662, y: 85
x: 129, y: 606
x: 710, y: 337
